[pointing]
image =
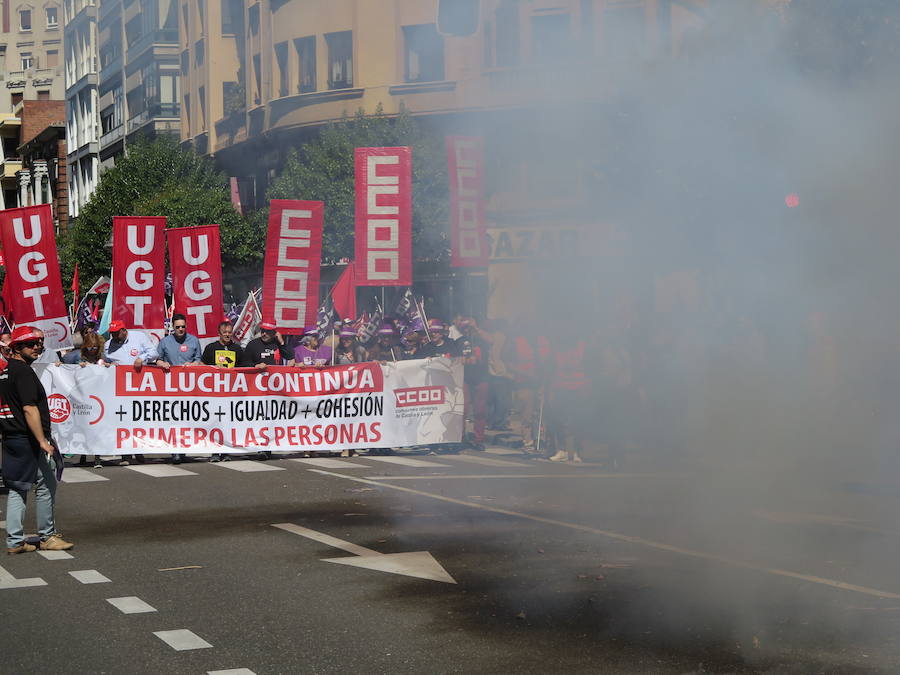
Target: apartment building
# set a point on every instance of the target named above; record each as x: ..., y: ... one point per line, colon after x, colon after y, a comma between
x: 82, y: 112
x: 31, y: 43
x: 138, y: 82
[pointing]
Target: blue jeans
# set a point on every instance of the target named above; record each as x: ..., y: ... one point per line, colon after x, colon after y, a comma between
x: 44, y: 496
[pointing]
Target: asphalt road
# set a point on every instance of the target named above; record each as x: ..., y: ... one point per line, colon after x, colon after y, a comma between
x: 540, y: 568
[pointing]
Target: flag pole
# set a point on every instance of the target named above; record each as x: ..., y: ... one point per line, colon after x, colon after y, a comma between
x: 421, y: 308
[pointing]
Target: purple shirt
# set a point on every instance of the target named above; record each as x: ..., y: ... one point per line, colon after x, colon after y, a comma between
x: 307, y: 357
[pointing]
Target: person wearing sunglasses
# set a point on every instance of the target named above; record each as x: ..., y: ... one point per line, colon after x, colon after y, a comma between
x: 30, y: 458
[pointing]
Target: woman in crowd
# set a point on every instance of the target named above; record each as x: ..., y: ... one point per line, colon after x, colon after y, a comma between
x: 348, y: 349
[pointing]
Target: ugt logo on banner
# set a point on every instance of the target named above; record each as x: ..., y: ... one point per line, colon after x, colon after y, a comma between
x: 293, y: 258
x: 35, y: 286
x: 196, y: 261
x: 139, y: 262
x: 383, y: 216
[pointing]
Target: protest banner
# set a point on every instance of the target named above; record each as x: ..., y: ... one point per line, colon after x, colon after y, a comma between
x: 468, y: 227
x: 293, y: 258
x: 383, y: 216
x: 196, y: 261
x: 139, y: 262
x: 248, y: 321
x: 217, y: 410
x: 33, y: 285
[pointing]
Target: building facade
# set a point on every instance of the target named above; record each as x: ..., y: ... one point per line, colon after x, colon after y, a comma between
x: 138, y: 82
x: 535, y: 79
x: 82, y: 112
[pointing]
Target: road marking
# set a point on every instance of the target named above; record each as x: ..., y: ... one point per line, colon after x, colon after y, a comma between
x: 132, y: 605
x: 233, y: 671
x: 75, y: 475
x: 406, y: 461
x: 55, y: 555
x: 420, y: 564
x: 90, y: 577
x: 182, y: 640
x: 502, y: 451
x: 161, y: 470
x: 326, y: 463
x: 465, y: 476
x: 865, y: 590
x: 7, y: 580
x: 486, y: 461
x: 248, y: 466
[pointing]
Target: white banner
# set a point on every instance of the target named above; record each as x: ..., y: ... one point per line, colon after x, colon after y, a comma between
x: 118, y: 410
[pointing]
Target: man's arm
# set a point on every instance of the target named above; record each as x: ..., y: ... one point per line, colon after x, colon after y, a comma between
x: 33, y: 420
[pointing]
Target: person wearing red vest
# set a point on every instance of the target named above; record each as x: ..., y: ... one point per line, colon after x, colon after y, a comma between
x: 522, y: 360
x: 569, y: 398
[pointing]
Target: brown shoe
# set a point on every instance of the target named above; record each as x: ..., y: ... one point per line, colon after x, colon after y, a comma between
x: 55, y: 543
x: 24, y: 547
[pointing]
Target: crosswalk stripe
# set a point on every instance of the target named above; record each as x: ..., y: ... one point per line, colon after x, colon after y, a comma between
x: 161, y: 470
x: 131, y: 605
x: 407, y: 461
x: 182, y: 640
x: 75, y: 475
x: 248, y: 466
x: 55, y: 555
x: 90, y: 577
x: 327, y: 463
x: 232, y: 671
x: 486, y: 461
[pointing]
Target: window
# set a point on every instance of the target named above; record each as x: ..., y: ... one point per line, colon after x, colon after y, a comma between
x: 187, y: 111
x: 550, y: 38
x: 43, y: 95
x: 232, y: 16
x: 52, y: 17
x: 27, y: 60
x: 253, y: 17
x: 2, y: 58
x: 185, y: 62
x: 306, y: 56
x: 424, y: 53
x: 24, y: 19
x: 201, y: 96
x: 340, y: 59
x: 11, y: 143
x: 281, y: 59
x: 15, y: 99
x: 199, y: 54
x: 232, y: 97
x: 257, y: 78
x: 52, y: 58
x: 507, y: 36
x: 168, y: 94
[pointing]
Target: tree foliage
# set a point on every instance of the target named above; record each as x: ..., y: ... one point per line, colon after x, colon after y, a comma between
x: 157, y: 178
x: 323, y: 170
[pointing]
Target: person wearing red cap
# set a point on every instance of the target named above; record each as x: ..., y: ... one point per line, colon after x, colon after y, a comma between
x: 268, y: 349
x: 126, y: 346
x: 30, y: 458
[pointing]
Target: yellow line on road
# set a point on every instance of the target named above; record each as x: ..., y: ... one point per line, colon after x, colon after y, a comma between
x: 833, y: 583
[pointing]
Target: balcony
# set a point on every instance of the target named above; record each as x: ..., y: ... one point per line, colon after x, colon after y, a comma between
x: 112, y: 136
x: 10, y: 165
x: 168, y: 37
x: 154, y: 111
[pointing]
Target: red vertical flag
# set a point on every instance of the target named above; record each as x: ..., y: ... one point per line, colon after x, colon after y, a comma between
x: 139, y: 267
x: 293, y: 259
x: 383, y: 216
x: 468, y: 229
x: 33, y: 282
x: 343, y: 295
x: 196, y: 260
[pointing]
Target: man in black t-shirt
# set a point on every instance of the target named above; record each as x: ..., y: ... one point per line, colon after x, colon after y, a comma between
x: 224, y: 352
x: 30, y: 459
x: 440, y: 344
x: 267, y: 350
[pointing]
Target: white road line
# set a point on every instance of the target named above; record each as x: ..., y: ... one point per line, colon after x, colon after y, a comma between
x: 182, y: 640
x: 90, y: 577
x: 161, y: 470
x: 248, y: 466
x: 407, y: 461
x: 7, y: 580
x: 326, y: 463
x: 132, y: 605
x: 76, y: 475
x: 486, y: 461
x: 55, y: 555
x: 466, y: 476
x: 233, y: 671
x: 326, y: 539
x: 640, y: 541
x: 502, y: 451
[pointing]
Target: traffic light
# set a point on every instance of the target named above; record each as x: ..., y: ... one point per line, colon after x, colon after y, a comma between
x: 458, y: 17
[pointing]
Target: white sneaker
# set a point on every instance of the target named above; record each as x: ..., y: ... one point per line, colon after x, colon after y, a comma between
x: 576, y: 458
x: 560, y: 456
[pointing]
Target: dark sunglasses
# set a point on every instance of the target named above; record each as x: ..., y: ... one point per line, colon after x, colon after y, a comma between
x: 177, y: 327
x: 33, y: 344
